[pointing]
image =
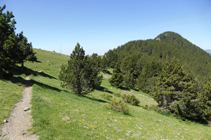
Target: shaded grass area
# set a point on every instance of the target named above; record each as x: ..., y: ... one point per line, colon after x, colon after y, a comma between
x: 10, y: 93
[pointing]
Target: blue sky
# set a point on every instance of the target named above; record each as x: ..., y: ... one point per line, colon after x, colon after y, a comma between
x: 100, y: 25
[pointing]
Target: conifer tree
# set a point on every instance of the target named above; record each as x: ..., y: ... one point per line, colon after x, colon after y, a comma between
x: 202, y: 105
x: 94, y: 70
x: 7, y: 40
x: 117, y: 78
x: 79, y: 75
x: 103, y: 64
x: 148, y: 77
x: 13, y: 48
x: 129, y: 80
x: 24, y: 49
x: 128, y: 67
x: 176, y: 90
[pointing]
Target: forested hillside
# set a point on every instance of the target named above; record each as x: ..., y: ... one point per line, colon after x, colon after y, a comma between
x: 144, y: 59
x: 175, y: 72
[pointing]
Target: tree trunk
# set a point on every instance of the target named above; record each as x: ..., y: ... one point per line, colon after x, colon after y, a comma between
x: 22, y: 65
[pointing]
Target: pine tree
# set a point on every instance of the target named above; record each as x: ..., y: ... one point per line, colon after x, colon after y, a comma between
x: 25, y: 50
x: 176, y: 90
x: 32, y: 57
x: 7, y: 40
x: 117, y: 78
x: 103, y: 64
x: 79, y: 75
x: 94, y: 69
x: 202, y: 105
x: 13, y: 48
x: 148, y: 77
x: 129, y: 80
x: 128, y: 69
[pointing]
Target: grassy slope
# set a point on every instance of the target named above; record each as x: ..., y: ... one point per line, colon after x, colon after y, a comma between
x: 89, y: 119
x: 10, y: 93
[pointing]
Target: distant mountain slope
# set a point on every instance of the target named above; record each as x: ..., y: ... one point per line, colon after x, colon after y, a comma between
x: 165, y: 47
x: 209, y: 51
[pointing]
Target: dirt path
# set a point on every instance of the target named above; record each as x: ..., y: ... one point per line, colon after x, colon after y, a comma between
x: 20, y: 120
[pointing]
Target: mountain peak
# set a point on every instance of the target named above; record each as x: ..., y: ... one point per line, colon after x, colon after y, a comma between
x: 169, y: 37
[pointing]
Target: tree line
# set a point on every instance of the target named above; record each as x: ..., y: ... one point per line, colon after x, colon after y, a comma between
x: 14, y: 48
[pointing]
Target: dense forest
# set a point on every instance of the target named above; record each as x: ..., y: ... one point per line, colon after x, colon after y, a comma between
x: 144, y: 59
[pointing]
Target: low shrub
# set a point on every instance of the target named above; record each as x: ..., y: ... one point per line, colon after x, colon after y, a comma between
x: 117, y: 94
x: 157, y: 109
x: 130, y: 98
x: 145, y: 107
x: 118, y: 106
x: 107, y: 96
x: 154, y: 108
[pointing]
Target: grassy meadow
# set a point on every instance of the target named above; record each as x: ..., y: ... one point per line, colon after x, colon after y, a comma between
x: 87, y: 117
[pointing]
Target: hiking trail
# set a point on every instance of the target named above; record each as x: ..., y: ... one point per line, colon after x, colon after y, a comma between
x: 20, y: 118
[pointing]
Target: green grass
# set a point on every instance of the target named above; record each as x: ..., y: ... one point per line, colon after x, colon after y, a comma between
x: 10, y: 93
x: 89, y: 119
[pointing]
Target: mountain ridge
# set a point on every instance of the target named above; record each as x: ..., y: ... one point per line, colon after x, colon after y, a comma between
x: 163, y: 48
x: 208, y: 51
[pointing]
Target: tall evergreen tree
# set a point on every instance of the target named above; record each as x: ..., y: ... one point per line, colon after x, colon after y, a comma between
x: 103, y: 64
x: 94, y: 70
x: 7, y: 40
x: 112, y: 58
x: 202, y: 105
x: 78, y: 75
x: 129, y: 80
x: 176, y: 90
x: 127, y: 68
x: 117, y: 77
x: 148, y: 77
x: 13, y: 48
x: 25, y: 50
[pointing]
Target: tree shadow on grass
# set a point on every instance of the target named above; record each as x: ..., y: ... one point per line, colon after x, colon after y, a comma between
x: 135, y: 89
x: 17, y: 70
x: 125, y: 89
x: 46, y: 75
x: 18, y: 80
x: 95, y: 99
x: 128, y: 114
x: 107, y: 72
x: 46, y: 86
x: 37, y: 61
x: 103, y: 89
x: 27, y: 83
